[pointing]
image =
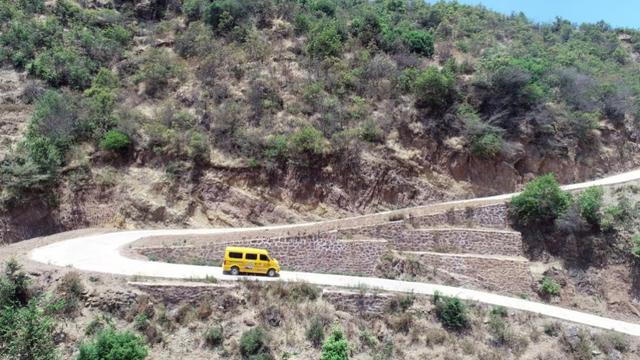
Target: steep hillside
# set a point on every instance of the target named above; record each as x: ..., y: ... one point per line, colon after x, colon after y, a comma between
x: 199, y: 113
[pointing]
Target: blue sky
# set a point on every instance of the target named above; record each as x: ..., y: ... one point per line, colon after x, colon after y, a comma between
x: 618, y: 13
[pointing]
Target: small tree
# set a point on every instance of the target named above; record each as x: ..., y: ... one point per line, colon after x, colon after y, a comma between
x: 110, y: 344
x: 115, y: 140
x: 336, y: 347
x: 315, y: 332
x: 254, y: 343
x: 435, y: 89
x: 451, y: 311
x: 590, y: 202
x: 325, y: 41
x: 541, y: 202
x: 549, y: 287
x: 419, y: 41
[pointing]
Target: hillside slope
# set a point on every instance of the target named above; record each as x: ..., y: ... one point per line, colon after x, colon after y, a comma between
x: 200, y: 113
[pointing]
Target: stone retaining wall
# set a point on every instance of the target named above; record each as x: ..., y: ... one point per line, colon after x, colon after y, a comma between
x: 461, y: 241
x: 364, y: 304
x: 311, y: 253
x: 500, y: 275
x: 454, y: 240
x: 493, y: 216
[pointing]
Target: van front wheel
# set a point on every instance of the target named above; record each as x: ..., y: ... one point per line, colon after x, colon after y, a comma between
x: 271, y: 273
x: 235, y: 271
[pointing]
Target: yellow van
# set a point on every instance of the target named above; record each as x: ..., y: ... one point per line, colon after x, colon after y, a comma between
x: 249, y: 260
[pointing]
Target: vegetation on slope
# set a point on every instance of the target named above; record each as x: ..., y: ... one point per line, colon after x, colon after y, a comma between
x: 301, y: 87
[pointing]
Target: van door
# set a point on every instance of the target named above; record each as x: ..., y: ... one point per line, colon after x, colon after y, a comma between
x: 235, y: 259
x: 250, y: 262
x: 263, y: 263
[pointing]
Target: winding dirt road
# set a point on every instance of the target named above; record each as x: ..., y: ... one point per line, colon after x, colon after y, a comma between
x: 103, y: 253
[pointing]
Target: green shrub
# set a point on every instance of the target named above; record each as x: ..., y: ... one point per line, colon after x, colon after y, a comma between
x: 194, y: 9
x: 434, y: 89
x: 371, y: 132
x: 14, y: 286
x: 307, y: 144
x: 276, y: 148
x: 27, y: 332
x: 328, y: 7
x: 213, y: 337
x: 419, y: 41
x: 541, y: 202
x: 225, y: 15
x: 635, y: 249
x: 590, y: 202
x: 56, y: 119
x: 315, y: 332
x: 110, y: 344
x: 115, y: 140
x: 157, y: 69
x: 336, y: 346
x: 451, y: 311
x: 488, y: 145
x: 254, y: 342
x: 63, y: 65
x: 32, y: 6
x: 325, y: 41
x: 549, y: 287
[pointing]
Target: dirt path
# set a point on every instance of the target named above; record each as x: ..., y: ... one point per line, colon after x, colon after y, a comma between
x: 104, y: 253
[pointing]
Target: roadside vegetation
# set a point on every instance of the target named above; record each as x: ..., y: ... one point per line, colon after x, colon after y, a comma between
x: 291, y: 320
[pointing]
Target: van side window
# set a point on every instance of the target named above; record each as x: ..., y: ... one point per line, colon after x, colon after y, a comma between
x: 264, y: 257
x: 235, y: 255
x: 251, y: 256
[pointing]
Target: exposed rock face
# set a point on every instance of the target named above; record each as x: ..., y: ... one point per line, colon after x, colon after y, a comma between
x: 14, y: 112
x: 31, y: 220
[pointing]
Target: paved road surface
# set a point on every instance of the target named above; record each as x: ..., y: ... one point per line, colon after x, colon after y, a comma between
x: 102, y: 253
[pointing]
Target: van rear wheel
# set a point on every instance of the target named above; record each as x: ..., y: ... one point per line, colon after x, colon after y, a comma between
x: 271, y: 273
x: 235, y: 270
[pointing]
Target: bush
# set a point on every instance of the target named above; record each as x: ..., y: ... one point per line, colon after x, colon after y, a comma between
x: 254, y: 342
x: 325, y: 41
x: 611, y: 341
x: 194, y: 9
x: 590, y: 202
x: 32, y: 6
x: 115, y: 140
x: 434, y: 89
x: 110, y: 344
x: 451, y: 311
x: 549, y: 287
x: 336, y: 347
x: 328, y: 7
x: 541, y: 202
x: 157, y: 69
x: 14, y: 286
x: 420, y: 42
x: 487, y: 146
x: 213, y: 337
x: 61, y: 66
x: 55, y: 118
x: 315, y: 332
x: 635, y: 241
x: 27, y: 333
x: 307, y: 144
x: 371, y: 132
x: 70, y: 289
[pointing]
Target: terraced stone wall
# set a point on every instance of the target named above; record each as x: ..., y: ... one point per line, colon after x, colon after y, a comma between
x: 493, y: 274
x: 313, y: 253
x: 492, y: 216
